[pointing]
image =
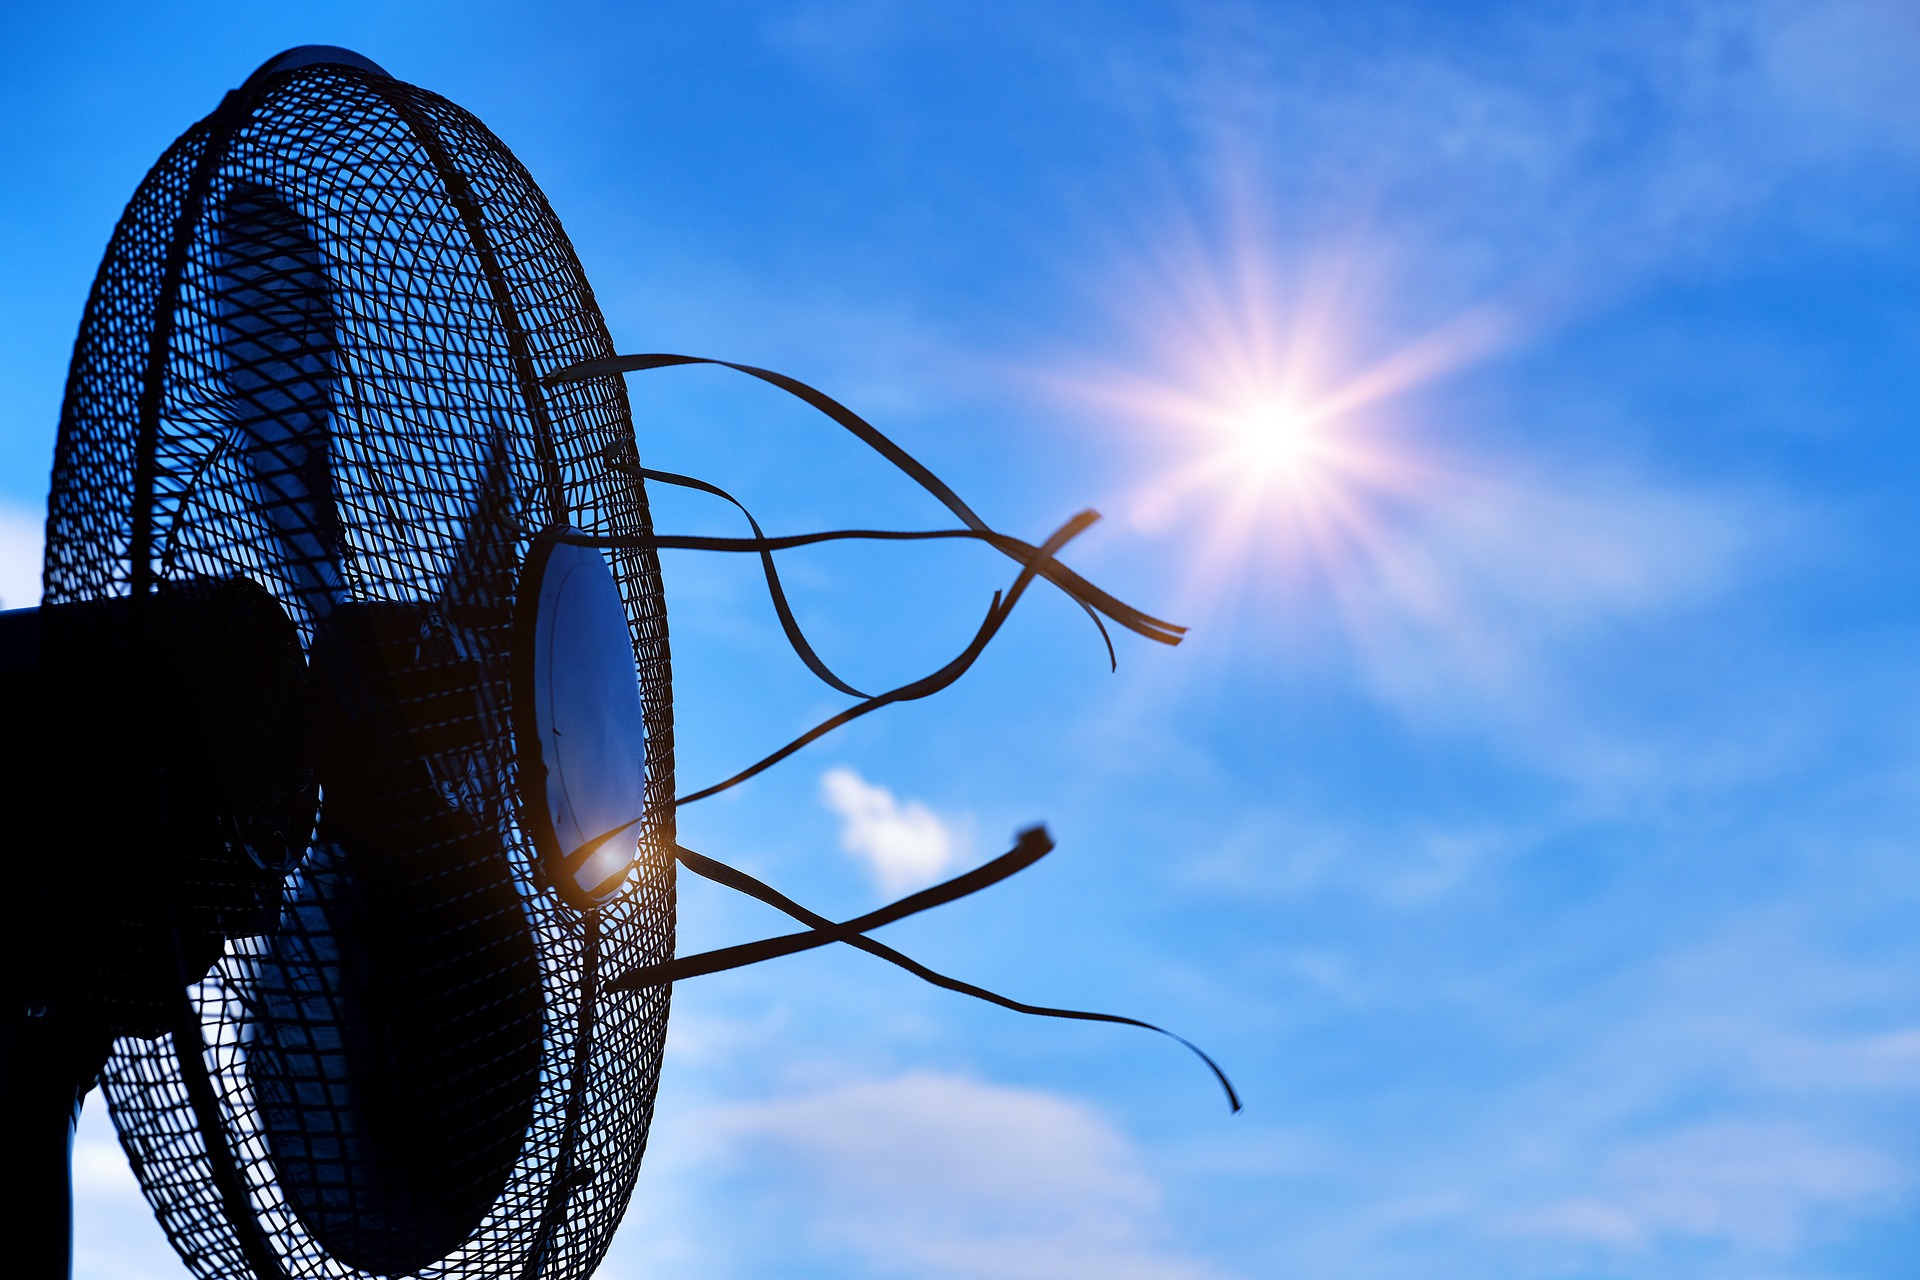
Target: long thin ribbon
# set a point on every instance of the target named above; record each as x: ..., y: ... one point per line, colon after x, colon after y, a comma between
x: 1033, y: 845
x: 1076, y: 586
x: 1147, y: 625
x: 788, y: 624
x: 926, y: 685
x: 763, y: 545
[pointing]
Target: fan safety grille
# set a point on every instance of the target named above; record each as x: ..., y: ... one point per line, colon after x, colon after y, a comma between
x: 310, y: 363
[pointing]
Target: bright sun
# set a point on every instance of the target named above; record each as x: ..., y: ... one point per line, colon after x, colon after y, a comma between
x: 1273, y: 438
x: 1273, y: 401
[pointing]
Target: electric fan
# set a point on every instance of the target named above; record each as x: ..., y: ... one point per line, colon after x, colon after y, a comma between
x: 347, y: 840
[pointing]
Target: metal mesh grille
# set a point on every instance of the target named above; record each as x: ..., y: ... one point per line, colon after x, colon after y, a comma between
x: 310, y: 360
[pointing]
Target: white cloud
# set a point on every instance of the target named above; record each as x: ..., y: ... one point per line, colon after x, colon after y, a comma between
x: 947, y: 1178
x: 1516, y: 169
x: 1475, y: 597
x: 1885, y: 1061
x: 1756, y: 1185
x: 1846, y: 62
x: 1272, y: 855
x: 1548, y: 617
x: 22, y: 536
x: 1717, y: 1123
x: 115, y: 1236
x: 903, y: 845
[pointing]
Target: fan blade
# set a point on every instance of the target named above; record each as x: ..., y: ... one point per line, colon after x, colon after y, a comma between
x: 278, y: 334
x: 396, y: 1051
x: 484, y: 566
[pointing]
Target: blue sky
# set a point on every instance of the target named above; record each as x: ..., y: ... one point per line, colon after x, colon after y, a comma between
x: 1528, y: 822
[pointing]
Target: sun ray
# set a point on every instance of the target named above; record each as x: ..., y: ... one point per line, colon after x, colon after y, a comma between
x: 1280, y: 416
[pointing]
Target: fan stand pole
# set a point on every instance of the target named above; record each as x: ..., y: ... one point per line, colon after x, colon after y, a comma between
x: 47, y: 1067
x: 49, y: 1060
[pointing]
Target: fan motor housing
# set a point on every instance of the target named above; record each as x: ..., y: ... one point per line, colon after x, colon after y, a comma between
x: 170, y: 787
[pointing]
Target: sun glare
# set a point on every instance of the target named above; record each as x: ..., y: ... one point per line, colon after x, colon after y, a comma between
x: 1277, y: 410
x: 1272, y: 439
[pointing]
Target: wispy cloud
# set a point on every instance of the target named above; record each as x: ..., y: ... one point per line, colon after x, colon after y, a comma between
x: 1283, y: 858
x: 22, y: 536
x: 949, y: 1178
x: 1292, y: 443
x: 1476, y: 596
x: 1469, y: 585
x: 1729, y: 1112
x: 903, y: 844
x: 1725, y: 1110
x: 115, y: 1236
x: 1752, y: 1186
x: 1575, y: 141
x: 1887, y: 1060
x: 1846, y: 64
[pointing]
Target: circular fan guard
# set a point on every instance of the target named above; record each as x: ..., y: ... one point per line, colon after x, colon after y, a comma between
x: 390, y: 536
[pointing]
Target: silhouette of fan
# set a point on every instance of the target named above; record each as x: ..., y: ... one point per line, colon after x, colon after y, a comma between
x: 347, y: 833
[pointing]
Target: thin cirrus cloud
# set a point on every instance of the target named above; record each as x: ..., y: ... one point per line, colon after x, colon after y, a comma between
x: 1642, y: 1170
x: 115, y: 1236
x: 1582, y: 143
x: 1491, y: 579
x: 946, y: 1177
x: 1717, y: 1111
x: 1760, y: 1187
x: 1550, y: 617
x: 22, y: 535
x: 902, y: 845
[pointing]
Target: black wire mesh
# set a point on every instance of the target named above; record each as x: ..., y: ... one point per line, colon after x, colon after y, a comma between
x: 310, y: 361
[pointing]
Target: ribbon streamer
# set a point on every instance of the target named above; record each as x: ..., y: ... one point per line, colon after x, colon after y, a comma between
x: 1033, y: 844
x: 927, y: 685
x: 1147, y: 625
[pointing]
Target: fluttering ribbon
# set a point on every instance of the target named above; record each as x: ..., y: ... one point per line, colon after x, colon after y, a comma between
x: 1127, y: 616
x: 1032, y: 845
x: 1035, y: 561
x: 926, y: 686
